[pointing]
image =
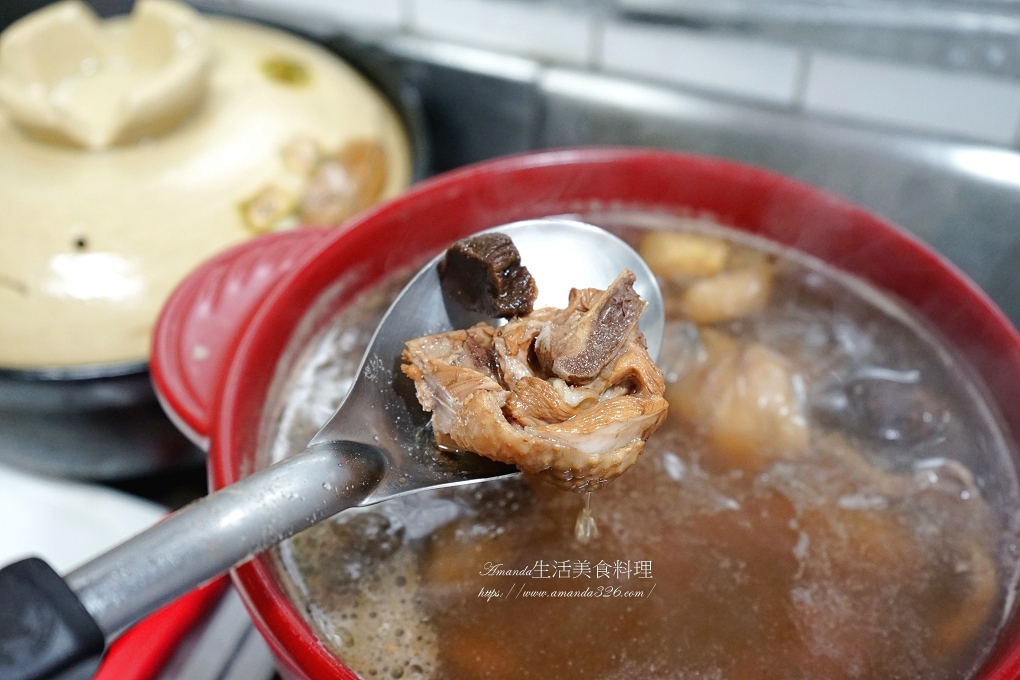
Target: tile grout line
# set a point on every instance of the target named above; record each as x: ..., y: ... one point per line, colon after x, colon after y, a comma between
x: 407, y: 16
x: 803, y: 76
x: 596, y: 39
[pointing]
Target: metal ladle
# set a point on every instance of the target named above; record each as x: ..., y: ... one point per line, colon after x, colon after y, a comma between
x: 375, y: 447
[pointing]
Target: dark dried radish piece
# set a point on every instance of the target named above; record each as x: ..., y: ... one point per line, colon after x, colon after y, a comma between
x: 484, y: 274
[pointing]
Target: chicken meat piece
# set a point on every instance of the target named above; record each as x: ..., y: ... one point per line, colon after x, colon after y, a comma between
x: 746, y: 399
x: 569, y: 394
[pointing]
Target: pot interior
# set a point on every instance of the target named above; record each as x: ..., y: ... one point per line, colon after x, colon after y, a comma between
x: 287, y: 336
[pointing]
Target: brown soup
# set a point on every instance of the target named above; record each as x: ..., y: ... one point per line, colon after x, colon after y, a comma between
x: 831, y: 497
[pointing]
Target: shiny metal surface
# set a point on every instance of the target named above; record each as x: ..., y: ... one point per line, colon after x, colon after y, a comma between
x: 376, y: 446
x: 94, y: 422
x: 208, y: 537
x: 961, y: 198
x: 933, y: 15
x: 479, y: 104
x: 382, y: 409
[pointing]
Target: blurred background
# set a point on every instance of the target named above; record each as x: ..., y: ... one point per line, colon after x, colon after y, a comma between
x: 911, y: 108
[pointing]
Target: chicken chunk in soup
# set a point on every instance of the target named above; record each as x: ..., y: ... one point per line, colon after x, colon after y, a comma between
x: 829, y: 497
x: 567, y: 394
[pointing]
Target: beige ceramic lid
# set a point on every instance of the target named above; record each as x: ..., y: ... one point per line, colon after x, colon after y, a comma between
x: 96, y: 228
x: 68, y: 78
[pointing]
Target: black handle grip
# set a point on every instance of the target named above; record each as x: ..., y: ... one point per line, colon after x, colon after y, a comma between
x: 45, y: 632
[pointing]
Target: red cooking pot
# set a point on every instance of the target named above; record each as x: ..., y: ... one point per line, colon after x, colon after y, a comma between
x: 236, y: 323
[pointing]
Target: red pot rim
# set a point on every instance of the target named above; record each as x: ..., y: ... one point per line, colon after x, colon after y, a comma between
x: 437, y: 211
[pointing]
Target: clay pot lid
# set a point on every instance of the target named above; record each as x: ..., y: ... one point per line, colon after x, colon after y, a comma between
x: 68, y: 77
x: 281, y: 133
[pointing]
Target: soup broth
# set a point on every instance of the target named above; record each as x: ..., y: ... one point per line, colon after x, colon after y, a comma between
x: 883, y: 549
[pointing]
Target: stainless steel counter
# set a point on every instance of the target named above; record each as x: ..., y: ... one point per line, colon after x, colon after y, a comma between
x: 961, y: 197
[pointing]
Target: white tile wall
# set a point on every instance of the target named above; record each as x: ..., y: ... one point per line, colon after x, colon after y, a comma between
x: 531, y: 29
x: 376, y: 14
x: 497, y: 34
x: 739, y: 67
x: 918, y: 98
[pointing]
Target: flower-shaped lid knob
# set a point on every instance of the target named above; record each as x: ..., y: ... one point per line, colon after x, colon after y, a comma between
x: 68, y: 77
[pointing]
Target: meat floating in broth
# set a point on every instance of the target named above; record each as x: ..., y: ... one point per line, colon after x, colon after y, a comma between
x: 830, y: 496
x: 568, y: 394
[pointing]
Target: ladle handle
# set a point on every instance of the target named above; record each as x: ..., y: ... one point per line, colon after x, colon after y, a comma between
x: 186, y: 549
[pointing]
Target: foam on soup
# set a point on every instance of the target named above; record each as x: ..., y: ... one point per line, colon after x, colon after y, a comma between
x: 872, y: 539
